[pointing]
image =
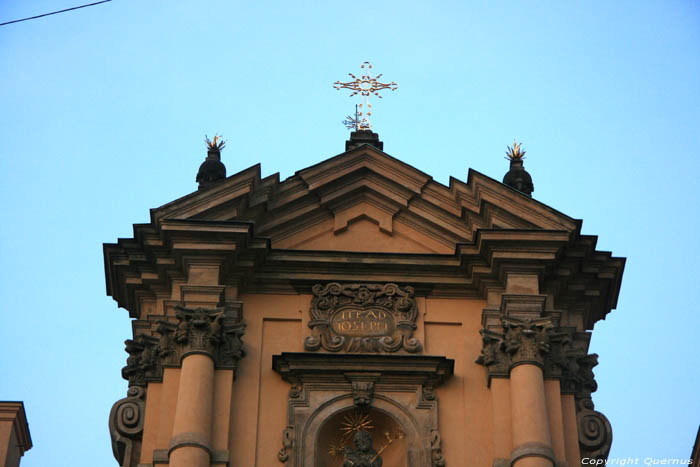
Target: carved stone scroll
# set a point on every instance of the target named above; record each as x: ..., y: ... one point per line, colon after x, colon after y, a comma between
x: 436, y: 449
x: 363, y: 318
x: 287, y: 444
x: 594, y: 430
x: 126, y: 427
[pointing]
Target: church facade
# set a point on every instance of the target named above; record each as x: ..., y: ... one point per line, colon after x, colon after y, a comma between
x: 359, y: 313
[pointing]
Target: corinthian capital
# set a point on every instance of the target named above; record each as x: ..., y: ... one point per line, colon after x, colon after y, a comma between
x: 527, y: 340
x: 215, y: 332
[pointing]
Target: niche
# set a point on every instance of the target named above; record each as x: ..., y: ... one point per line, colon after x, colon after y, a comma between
x: 337, y: 436
x: 332, y: 396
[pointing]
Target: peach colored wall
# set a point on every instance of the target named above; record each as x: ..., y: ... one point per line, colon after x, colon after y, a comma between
x: 259, y: 396
x: 465, y: 410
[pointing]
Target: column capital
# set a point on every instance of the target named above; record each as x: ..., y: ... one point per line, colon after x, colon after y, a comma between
x: 527, y: 341
x: 518, y: 341
x: 215, y: 332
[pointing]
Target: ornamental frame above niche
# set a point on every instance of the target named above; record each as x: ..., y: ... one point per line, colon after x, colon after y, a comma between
x: 363, y: 318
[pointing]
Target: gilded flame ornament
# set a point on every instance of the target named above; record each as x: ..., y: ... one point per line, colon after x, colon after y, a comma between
x: 515, y: 152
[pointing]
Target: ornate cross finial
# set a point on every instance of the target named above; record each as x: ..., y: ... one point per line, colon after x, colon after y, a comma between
x: 365, y: 85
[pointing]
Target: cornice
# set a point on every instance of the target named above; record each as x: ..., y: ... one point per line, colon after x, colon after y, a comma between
x: 298, y: 366
x: 494, y: 230
x: 575, y: 275
x: 13, y: 411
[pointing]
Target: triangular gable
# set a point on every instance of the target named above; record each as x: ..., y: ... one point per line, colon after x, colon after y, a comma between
x: 366, y: 200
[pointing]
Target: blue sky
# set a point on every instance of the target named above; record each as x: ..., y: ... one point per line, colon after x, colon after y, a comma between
x: 104, y: 111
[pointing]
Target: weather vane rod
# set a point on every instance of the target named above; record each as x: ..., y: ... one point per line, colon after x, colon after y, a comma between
x: 365, y: 86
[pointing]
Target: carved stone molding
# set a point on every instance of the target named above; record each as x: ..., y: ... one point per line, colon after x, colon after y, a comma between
x: 363, y: 318
x: 216, y: 332
x: 126, y: 427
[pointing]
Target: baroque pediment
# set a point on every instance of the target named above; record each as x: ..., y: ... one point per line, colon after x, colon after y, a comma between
x: 322, y: 202
x: 365, y: 216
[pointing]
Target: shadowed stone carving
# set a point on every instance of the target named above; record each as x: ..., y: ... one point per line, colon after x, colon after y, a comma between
x: 400, y: 386
x: 594, y: 430
x: 436, y: 449
x: 126, y: 427
x: 143, y: 363
x: 363, y: 318
x: 363, y: 454
x: 215, y: 332
x: 287, y: 444
x: 527, y: 340
x: 521, y: 341
x: 362, y: 393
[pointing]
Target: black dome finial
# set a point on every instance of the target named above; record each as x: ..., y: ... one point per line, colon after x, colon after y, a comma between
x: 212, y: 169
x: 517, y: 177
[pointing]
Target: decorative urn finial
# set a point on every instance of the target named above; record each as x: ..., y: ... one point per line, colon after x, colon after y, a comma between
x: 212, y: 169
x: 517, y: 177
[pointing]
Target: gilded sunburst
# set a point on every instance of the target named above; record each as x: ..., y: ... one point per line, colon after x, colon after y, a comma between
x: 355, y: 422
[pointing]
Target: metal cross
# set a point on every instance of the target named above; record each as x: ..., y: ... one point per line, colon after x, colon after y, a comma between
x: 365, y: 85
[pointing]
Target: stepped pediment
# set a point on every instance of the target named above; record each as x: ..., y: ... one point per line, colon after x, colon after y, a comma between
x: 365, y: 216
x: 363, y: 199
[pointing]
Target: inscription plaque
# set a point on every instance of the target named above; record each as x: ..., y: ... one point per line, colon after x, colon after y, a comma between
x: 356, y: 322
x: 362, y: 318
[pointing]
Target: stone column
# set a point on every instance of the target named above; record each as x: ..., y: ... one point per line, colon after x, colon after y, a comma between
x: 204, y: 339
x: 190, y: 445
x: 527, y: 340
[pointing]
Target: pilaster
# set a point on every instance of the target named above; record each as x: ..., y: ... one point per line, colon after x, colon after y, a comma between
x: 198, y: 336
x: 523, y: 341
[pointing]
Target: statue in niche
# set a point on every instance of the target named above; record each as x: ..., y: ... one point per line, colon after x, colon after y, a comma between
x: 363, y: 455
